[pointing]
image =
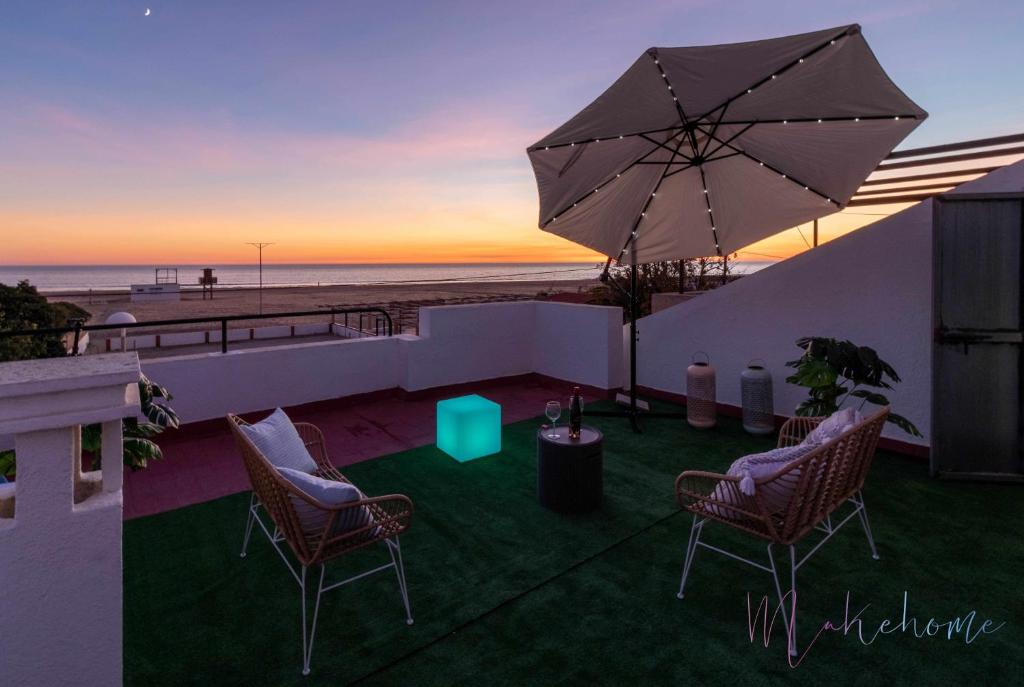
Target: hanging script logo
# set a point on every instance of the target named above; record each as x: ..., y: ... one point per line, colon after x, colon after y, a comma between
x: 966, y: 628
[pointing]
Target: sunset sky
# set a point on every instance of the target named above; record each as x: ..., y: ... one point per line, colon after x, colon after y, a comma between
x: 383, y: 132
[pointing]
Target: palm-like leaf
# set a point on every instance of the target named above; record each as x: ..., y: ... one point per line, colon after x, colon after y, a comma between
x: 7, y: 463
x: 139, y: 451
x: 829, y: 367
x: 871, y: 397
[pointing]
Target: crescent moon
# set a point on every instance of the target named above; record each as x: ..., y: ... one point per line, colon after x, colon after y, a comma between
x: 147, y: 12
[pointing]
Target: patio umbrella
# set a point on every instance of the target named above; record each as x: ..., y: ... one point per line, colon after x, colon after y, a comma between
x: 700, y: 151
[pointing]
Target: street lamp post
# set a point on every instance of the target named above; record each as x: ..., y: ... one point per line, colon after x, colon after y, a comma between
x: 260, y: 245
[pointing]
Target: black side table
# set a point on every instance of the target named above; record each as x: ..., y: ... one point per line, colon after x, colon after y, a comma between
x: 570, y: 474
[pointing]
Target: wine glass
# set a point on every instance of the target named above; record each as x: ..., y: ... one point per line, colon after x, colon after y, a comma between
x: 553, y: 410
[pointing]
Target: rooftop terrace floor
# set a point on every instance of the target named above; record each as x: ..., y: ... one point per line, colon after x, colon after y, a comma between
x: 201, y: 462
x: 506, y: 592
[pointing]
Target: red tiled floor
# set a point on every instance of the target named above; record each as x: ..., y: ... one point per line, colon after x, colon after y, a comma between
x: 201, y: 463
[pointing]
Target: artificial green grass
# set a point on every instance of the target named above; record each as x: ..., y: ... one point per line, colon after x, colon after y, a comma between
x: 506, y: 592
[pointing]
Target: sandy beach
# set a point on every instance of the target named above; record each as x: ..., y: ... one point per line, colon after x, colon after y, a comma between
x: 405, y: 298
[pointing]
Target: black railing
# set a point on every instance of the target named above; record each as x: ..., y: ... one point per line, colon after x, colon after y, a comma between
x: 79, y: 326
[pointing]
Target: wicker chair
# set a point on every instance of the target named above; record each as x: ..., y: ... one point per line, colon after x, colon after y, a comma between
x: 789, y: 504
x: 316, y: 545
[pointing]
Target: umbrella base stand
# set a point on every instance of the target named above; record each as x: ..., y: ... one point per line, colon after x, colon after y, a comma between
x: 636, y: 415
x: 624, y: 400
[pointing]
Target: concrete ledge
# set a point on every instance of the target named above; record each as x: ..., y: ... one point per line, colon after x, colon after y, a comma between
x: 59, y: 392
x: 49, y: 375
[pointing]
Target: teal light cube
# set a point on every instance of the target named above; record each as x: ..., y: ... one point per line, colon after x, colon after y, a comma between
x: 468, y: 427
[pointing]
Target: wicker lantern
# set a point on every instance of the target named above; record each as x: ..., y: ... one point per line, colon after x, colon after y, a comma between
x: 756, y: 390
x: 700, y: 392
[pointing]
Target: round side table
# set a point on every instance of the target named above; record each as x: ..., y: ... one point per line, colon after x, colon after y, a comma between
x: 570, y: 474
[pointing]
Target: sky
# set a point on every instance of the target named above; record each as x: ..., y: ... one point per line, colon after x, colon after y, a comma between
x: 349, y: 131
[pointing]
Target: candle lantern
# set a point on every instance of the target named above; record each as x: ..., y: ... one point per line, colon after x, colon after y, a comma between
x: 700, y: 392
x: 756, y: 390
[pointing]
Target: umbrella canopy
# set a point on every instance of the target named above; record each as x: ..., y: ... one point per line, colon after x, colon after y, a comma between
x: 704, y: 150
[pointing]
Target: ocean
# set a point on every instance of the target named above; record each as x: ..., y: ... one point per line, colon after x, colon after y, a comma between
x: 74, y: 278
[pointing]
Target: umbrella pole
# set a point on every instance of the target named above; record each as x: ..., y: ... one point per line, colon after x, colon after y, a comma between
x: 634, y: 299
x: 634, y: 411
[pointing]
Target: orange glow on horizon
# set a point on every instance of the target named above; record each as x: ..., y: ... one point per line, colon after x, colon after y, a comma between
x: 492, y: 228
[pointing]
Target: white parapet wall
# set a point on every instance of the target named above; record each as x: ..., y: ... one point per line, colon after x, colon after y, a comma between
x: 872, y: 286
x: 60, y: 560
x: 210, y: 385
x: 461, y: 343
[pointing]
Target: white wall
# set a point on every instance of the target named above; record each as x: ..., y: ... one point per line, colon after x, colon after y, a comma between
x: 872, y: 286
x: 580, y: 343
x: 210, y: 385
x: 465, y: 343
x: 60, y: 561
x: 457, y: 344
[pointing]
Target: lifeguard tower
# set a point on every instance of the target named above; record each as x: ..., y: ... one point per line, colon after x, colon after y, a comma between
x: 207, y: 281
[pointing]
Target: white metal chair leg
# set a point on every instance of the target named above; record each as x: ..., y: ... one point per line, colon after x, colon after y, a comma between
x: 395, y: 549
x: 253, y: 504
x: 862, y: 511
x: 691, y: 552
x: 307, y: 644
x: 789, y: 619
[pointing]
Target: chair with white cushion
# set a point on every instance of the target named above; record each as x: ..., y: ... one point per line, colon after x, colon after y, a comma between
x: 784, y: 495
x: 314, y: 509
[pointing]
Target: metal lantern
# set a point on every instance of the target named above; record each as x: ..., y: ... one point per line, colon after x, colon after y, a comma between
x: 756, y: 390
x: 700, y: 392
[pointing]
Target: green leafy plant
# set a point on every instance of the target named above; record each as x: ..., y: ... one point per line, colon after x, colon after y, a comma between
x: 7, y: 463
x: 23, y: 307
x: 834, y: 371
x: 139, y: 447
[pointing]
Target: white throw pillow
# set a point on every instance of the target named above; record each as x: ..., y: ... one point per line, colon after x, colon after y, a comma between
x: 329, y: 493
x: 277, y: 439
x: 832, y: 426
x: 757, y: 466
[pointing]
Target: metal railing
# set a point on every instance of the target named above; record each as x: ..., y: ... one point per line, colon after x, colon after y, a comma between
x: 78, y: 326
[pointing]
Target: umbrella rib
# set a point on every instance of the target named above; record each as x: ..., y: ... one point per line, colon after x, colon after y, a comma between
x: 647, y: 203
x: 638, y: 161
x: 727, y: 141
x: 714, y: 130
x: 766, y: 165
x: 662, y: 145
x: 711, y: 214
x: 691, y: 136
x: 819, y: 120
x: 681, y: 169
x: 721, y: 157
x: 849, y: 30
x: 706, y: 160
x: 535, y: 148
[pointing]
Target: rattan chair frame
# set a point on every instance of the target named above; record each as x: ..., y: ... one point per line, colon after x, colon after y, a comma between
x: 274, y: 495
x: 789, y: 505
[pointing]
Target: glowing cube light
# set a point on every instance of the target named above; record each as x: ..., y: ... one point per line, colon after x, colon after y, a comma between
x: 468, y: 427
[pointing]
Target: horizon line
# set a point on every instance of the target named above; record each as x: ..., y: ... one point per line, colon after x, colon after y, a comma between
x: 322, y: 264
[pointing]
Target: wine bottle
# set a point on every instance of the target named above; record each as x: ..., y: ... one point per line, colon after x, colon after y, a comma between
x: 575, y: 414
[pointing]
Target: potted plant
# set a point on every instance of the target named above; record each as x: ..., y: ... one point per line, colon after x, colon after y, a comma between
x: 835, y: 371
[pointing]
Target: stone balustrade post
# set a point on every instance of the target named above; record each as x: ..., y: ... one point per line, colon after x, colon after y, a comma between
x: 60, y: 561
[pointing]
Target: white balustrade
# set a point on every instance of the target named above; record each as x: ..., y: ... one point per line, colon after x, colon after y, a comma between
x: 60, y: 555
